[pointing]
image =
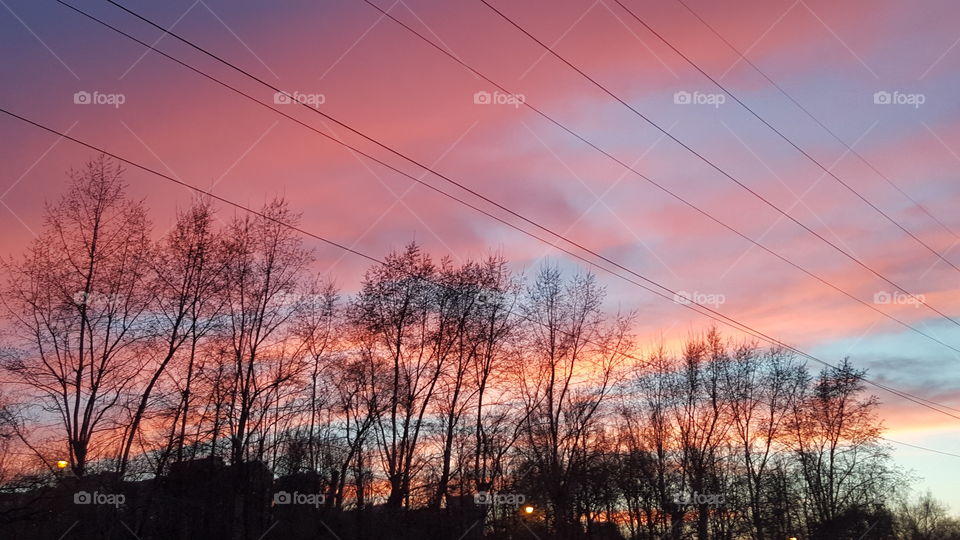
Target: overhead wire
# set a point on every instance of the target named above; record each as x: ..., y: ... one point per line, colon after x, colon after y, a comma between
x: 783, y: 136
x: 661, y: 187
x: 915, y: 298
x: 669, y: 294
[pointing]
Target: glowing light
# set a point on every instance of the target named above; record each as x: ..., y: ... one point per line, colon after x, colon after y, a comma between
x: 63, y: 464
x: 529, y: 510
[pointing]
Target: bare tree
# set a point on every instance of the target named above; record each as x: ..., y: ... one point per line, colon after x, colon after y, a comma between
x: 431, y: 381
x: 834, y: 434
x: 188, y: 277
x: 496, y: 331
x: 649, y: 440
x: 761, y: 387
x: 265, y: 267
x: 393, y: 310
x: 319, y: 329
x: 355, y: 382
x: 700, y: 414
x: 926, y: 518
x: 569, y: 366
x: 77, y: 301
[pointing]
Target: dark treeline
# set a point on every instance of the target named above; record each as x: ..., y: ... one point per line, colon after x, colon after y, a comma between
x: 440, y: 384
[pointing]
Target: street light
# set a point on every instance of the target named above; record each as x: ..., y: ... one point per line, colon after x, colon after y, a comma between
x: 63, y: 464
x: 529, y: 510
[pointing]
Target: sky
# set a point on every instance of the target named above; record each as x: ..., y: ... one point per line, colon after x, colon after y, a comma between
x: 882, y: 76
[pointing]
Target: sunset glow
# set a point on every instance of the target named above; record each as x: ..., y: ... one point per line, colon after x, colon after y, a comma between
x: 867, y: 90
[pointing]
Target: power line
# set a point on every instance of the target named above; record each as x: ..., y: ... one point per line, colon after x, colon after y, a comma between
x: 723, y: 318
x: 384, y: 164
x: 714, y: 166
x: 918, y: 447
x: 783, y: 136
x: 446, y: 178
x: 729, y: 321
x: 260, y: 214
x: 659, y: 186
x: 818, y: 122
x: 375, y: 260
x: 641, y: 175
x: 713, y: 314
